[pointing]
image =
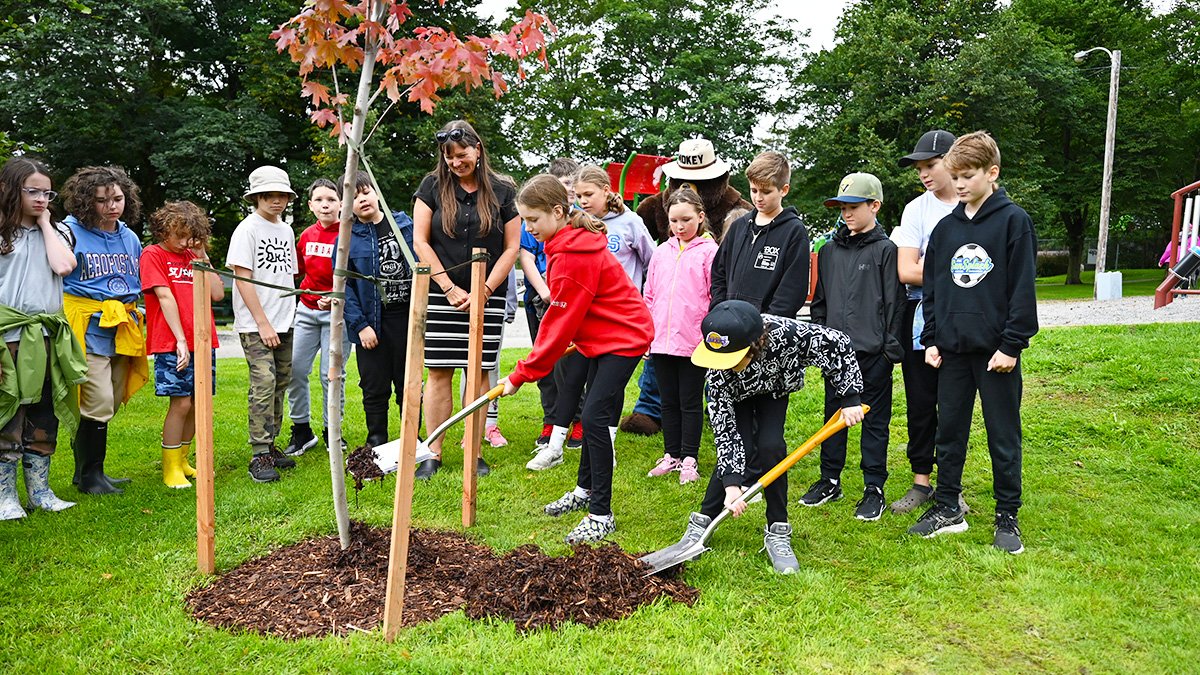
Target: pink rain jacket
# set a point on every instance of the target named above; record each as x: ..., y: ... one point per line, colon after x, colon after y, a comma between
x: 677, y: 291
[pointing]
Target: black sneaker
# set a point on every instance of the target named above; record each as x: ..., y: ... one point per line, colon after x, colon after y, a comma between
x: 575, y: 438
x: 937, y: 520
x: 281, y: 460
x: 325, y: 435
x: 870, y: 507
x: 821, y: 492
x: 1008, y: 534
x: 262, y: 469
x: 302, y: 439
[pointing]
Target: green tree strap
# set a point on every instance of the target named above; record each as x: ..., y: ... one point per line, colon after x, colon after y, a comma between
x: 204, y: 267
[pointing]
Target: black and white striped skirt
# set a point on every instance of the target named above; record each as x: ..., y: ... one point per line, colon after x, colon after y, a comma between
x: 447, y: 329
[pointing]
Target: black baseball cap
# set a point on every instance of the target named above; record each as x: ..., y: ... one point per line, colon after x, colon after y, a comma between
x: 932, y: 144
x: 728, y: 331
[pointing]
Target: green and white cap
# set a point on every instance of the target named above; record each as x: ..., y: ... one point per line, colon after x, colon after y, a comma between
x: 855, y: 188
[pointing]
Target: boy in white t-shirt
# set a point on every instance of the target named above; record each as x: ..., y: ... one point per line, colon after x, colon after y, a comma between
x: 920, y: 216
x: 263, y: 248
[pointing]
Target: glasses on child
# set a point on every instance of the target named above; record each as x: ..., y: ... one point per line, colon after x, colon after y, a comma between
x: 38, y: 194
x: 456, y: 135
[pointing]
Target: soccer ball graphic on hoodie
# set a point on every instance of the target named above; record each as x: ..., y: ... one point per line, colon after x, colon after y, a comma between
x: 969, y: 265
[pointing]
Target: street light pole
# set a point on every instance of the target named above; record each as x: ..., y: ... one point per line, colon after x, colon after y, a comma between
x: 1110, y: 137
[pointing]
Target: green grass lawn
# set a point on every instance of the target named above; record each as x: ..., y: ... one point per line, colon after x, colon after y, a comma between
x: 1109, y: 581
x: 1133, y: 282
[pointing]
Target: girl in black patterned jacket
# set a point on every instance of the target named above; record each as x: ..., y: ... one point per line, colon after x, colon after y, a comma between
x: 755, y: 362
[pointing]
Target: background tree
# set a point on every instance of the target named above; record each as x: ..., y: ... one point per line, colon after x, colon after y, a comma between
x: 640, y: 76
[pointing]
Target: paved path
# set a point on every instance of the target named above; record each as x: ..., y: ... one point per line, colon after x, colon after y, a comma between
x: 1133, y: 310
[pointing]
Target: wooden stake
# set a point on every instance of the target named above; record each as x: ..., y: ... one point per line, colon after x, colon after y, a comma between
x: 473, y: 433
x: 410, y: 426
x: 205, y: 520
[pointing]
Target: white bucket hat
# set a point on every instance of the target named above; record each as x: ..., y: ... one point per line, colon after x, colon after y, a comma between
x: 268, y: 179
x: 697, y: 160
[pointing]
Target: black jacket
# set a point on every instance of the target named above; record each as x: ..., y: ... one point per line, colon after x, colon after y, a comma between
x: 859, y: 292
x: 769, y: 271
x: 979, y: 276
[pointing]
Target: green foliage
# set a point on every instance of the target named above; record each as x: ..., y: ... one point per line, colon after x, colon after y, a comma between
x: 1110, y: 522
x: 901, y: 67
x: 640, y: 76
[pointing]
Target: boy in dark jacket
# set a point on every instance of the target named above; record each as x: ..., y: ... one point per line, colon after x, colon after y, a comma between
x: 763, y: 258
x: 859, y: 293
x: 377, y: 315
x: 980, y: 312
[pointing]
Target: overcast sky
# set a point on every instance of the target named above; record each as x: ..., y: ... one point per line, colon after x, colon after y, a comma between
x: 819, y: 17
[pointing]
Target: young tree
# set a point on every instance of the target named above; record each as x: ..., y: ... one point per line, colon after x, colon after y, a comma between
x: 417, y: 64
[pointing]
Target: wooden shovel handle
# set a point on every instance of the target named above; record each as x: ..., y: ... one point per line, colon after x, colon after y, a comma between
x: 834, y: 425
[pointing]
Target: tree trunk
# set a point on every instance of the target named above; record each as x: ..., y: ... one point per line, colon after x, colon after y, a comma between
x: 1074, y: 222
x: 337, y: 322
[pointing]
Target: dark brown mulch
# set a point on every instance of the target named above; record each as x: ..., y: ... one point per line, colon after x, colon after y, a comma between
x: 362, y: 467
x: 313, y: 588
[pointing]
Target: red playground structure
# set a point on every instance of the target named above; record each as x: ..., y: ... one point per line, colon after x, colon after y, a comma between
x: 1184, y: 227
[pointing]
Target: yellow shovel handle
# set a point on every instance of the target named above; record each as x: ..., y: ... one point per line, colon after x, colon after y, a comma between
x: 834, y: 425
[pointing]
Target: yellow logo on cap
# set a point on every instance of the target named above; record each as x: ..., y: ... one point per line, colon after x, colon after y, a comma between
x: 716, y: 341
x: 846, y: 183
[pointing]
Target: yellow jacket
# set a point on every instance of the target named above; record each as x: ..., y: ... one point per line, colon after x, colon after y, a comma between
x: 131, y: 341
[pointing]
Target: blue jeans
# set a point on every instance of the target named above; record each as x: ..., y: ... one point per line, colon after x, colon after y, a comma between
x: 310, y: 335
x: 648, y: 402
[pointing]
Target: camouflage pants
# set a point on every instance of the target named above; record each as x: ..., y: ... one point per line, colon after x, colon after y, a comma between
x: 33, y: 428
x: 270, y: 373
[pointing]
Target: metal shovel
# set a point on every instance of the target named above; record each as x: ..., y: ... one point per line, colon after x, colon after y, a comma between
x: 387, y: 456
x: 679, y: 553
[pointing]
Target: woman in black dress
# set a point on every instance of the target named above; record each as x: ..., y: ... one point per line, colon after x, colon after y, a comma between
x: 460, y: 205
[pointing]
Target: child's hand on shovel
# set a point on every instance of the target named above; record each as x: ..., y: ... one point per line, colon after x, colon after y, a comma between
x: 509, y: 387
x: 733, y: 500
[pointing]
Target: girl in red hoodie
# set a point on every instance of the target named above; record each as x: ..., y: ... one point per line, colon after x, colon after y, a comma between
x: 594, y: 305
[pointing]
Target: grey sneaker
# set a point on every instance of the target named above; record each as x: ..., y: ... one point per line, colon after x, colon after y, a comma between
x: 962, y: 505
x: 916, y: 496
x: 262, y: 469
x: 591, y: 530
x: 939, y: 520
x: 697, y: 524
x: 566, y: 504
x: 777, y: 542
x: 822, y: 492
x: 1008, y: 534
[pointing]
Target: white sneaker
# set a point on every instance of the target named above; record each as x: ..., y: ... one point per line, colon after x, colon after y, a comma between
x: 546, y: 457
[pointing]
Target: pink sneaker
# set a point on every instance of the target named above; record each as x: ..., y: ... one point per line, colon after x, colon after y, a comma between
x: 665, y: 466
x: 494, y: 438
x: 688, y: 471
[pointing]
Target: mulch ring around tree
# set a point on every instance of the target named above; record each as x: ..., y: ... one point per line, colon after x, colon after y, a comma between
x: 313, y: 588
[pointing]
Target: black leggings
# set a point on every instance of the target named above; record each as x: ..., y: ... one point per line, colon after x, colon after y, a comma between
x: 380, y: 370
x: 920, y: 397
x: 570, y: 379
x: 607, y: 376
x: 760, y: 422
x: 681, y: 386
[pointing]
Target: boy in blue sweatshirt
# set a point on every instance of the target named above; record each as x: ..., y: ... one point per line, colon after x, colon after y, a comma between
x: 980, y: 312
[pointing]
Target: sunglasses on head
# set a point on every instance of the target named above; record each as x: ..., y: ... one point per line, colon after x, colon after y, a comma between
x: 455, y: 135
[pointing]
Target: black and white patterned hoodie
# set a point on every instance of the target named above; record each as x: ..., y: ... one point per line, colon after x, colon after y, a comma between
x: 778, y: 370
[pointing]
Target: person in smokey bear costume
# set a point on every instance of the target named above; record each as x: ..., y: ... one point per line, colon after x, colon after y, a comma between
x: 698, y: 167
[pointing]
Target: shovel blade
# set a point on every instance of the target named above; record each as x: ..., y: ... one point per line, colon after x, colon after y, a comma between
x: 672, y: 556
x: 387, y: 456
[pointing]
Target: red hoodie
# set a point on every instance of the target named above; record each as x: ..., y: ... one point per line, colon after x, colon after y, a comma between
x: 592, y: 303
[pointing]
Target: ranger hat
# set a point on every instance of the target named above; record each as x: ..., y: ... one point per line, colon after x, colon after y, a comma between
x: 697, y: 160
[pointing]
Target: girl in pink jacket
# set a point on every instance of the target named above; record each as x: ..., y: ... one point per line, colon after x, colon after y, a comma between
x: 677, y: 292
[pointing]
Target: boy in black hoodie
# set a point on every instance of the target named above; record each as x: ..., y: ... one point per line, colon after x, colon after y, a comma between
x: 980, y: 312
x: 763, y: 258
x: 859, y: 293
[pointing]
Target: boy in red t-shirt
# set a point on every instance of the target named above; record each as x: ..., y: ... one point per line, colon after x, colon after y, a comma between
x: 310, y: 332
x: 181, y: 230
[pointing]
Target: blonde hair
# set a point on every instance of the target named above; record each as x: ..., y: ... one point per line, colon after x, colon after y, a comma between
x: 544, y: 192
x: 733, y: 215
x: 686, y: 195
x: 769, y: 168
x: 976, y: 150
x: 599, y: 177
